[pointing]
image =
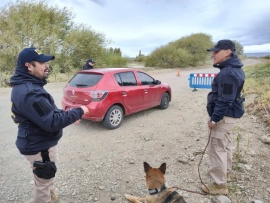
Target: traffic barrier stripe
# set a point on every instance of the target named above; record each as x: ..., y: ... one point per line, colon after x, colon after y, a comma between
x: 205, y: 75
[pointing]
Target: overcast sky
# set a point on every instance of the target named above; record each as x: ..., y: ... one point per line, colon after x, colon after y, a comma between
x: 145, y: 25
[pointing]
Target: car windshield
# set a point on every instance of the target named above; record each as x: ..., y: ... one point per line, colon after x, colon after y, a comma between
x: 85, y: 80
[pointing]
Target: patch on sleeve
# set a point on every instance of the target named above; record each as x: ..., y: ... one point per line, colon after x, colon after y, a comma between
x: 42, y: 108
x: 227, y: 88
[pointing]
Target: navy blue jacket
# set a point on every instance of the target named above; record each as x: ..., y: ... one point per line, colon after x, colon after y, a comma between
x: 40, y: 122
x: 87, y: 67
x: 225, y: 99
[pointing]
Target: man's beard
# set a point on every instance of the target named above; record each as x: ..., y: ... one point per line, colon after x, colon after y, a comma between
x: 46, y: 74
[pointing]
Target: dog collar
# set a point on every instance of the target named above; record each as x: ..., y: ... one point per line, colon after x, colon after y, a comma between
x: 156, y: 190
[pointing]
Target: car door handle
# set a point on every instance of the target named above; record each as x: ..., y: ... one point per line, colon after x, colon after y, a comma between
x: 145, y: 91
x: 124, y: 93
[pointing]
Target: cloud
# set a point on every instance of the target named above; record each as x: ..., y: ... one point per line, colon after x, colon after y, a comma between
x: 263, y: 48
x: 148, y: 24
x: 99, y: 2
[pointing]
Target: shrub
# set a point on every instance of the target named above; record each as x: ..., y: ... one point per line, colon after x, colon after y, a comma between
x: 169, y: 57
x: 114, y: 60
x: 196, y: 46
x: 187, y: 51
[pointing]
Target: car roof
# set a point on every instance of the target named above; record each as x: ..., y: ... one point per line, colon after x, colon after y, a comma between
x: 106, y: 70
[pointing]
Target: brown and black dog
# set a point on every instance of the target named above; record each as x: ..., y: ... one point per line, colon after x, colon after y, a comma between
x: 156, y: 185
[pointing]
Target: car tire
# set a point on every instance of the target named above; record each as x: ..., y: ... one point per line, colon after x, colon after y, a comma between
x: 165, y: 99
x: 113, y: 117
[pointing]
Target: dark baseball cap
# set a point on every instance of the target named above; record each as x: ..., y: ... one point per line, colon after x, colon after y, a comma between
x: 90, y: 60
x: 224, y: 44
x: 32, y: 54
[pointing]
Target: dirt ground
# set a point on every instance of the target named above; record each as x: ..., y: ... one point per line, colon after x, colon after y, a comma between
x: 100, y: 165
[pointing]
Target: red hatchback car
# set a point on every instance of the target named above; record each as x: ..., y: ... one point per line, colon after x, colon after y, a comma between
x: 112, y: 93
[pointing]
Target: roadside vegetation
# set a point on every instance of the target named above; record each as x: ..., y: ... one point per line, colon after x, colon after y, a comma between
x: 188, y: 51
x: 257, y: 89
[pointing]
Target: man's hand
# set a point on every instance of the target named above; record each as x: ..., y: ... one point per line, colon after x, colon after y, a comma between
x: 211, y: 124
x: 85, y: 109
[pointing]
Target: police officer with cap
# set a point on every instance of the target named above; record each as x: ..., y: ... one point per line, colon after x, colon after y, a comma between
x: 225, y: 107
x: 89, y: 64
x: 40, y: 122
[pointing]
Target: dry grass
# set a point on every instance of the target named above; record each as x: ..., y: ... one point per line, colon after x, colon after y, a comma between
x: 257, y: 87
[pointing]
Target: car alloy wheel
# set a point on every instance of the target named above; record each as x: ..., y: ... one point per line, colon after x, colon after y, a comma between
x: 113, y: 118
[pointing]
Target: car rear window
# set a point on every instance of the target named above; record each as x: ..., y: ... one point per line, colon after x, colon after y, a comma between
x: 85, y: 80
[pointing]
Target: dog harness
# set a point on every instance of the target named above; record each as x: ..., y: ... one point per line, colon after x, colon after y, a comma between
x: 170, y: 197
x: 163, y: 187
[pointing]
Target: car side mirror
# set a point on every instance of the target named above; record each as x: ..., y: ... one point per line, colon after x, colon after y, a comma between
x: 158, y: 82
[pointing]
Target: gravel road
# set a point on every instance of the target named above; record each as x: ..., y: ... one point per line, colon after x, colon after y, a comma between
x: 100, y: 165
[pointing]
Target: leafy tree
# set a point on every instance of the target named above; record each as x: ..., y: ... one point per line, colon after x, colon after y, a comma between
x: 55, y: 71
x: 113, y: 58
x: 50, y: 29
x: 110, y: 50
x: 27, y: 24
x: 117, y: 51
x: 80, y: 44
x: 239, y: 48
x: 140, y: 58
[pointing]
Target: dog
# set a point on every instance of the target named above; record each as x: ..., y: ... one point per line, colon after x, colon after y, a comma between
x: 156, y: 185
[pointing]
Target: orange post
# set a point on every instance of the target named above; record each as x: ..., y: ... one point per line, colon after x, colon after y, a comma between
x: 178, y: 73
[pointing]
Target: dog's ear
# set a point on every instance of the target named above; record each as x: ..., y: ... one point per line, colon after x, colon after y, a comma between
x: 147, y: 167
x: 163, y: 168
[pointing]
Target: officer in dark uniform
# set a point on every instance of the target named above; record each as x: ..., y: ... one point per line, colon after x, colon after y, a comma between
x: 40, y: 122
x: 225, y: 107
x: 89, y: 64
